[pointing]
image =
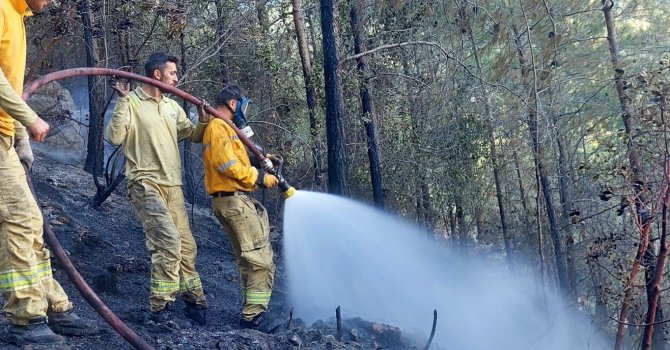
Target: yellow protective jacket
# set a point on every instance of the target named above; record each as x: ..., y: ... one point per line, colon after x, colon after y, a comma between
x: 13, y: 110
x: 149, y: 131
x: 227, y: 165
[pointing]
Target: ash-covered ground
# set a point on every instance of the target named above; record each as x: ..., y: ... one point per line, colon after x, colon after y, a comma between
x: 107, y: 247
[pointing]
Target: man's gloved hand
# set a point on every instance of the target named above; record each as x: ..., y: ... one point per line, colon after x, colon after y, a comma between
x: 266, y: 180
x: 270, y: 181
x: 276, y: 159
x: 25, y: 152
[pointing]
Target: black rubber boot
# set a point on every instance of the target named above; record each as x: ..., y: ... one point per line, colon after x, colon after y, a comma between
x: 37, y: 333
x: 162, y: 316
x: 165, y: 320
x: 68, y: 323
x: 197, y: 313
x: 263, y: 322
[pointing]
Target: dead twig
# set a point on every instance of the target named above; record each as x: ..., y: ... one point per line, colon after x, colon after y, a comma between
x: 432, y: 332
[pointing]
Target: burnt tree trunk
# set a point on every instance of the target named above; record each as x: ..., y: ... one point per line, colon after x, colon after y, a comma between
x: 337, y: 161
x: 369, y: 116
x: 310, y: 91
x: 95, y: 147
x: 189, y: 179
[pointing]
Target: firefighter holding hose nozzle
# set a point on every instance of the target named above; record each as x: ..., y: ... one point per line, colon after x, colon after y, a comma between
x: 229, y: 179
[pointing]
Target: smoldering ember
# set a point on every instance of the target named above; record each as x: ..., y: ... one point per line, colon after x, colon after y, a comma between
x: 466, y: 174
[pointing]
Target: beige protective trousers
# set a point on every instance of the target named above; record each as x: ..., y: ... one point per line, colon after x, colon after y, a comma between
x: 246, y: 223
x: 25, y: 269
x: 170, y: 242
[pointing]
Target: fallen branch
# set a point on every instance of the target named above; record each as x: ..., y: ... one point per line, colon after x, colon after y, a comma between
x: 389, y: 46
x: 432, y: 332
x: 637, y: 324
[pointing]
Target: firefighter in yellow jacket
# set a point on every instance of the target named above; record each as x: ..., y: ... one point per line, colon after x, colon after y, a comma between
x: 149, y: 125
x: 229, y: 179
x: 36, y: 304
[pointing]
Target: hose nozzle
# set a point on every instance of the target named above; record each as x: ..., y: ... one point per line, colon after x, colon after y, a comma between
x: 286, y: 189
x: 290, y: 192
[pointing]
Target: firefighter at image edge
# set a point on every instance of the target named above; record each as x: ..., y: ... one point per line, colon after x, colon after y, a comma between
x: 36, y: 304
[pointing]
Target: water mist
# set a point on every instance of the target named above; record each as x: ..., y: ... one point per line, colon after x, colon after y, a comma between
x: 341, y: 252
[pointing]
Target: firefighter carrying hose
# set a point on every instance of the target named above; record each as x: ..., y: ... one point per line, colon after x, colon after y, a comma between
x: 37, y: 305
x: 229, y: 179
x: 149, y: 125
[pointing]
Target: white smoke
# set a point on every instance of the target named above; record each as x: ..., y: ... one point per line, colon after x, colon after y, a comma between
x: 341, y: 252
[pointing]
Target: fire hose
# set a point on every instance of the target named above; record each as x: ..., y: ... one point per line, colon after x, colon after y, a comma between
x: 91, y: 297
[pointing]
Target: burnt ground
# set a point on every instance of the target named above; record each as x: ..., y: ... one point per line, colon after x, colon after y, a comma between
x: 107, y: 247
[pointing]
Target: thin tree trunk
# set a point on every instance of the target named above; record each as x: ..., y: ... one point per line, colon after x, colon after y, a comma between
x: 529, y: 83
x: 220, y: 31
x: 597, y: 280
x: 522, y: 190
x: 95, y: 147
x: 337, y: 160
x: 310, y: 91
x: 495, y: 162
x: 369, y: 115
x: 189, y: 179
x: 463, y: 237
x: 452, y: 226
x: 624, y: 100
x: 633, y: 158
x: 628, y: 290
x: 653, y: 311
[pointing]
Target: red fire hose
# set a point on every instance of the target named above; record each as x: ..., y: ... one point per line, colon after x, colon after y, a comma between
x: 86, y: 291
x: 78, y: 72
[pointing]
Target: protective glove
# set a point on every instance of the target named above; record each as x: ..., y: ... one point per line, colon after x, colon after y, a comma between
x: 266, y: 180
x: 24, y: 151
x: 276, y: 159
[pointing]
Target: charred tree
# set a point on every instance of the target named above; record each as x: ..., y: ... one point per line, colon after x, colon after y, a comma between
x: 189, y: 179
x: 337, y: 161
x: 310, y: 91
x: 370, y: 119
x: 95, y: 147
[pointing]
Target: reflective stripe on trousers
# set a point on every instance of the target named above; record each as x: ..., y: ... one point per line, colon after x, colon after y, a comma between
x: 246, y: 223
x: 26, y: 281
x: 169, y: 240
